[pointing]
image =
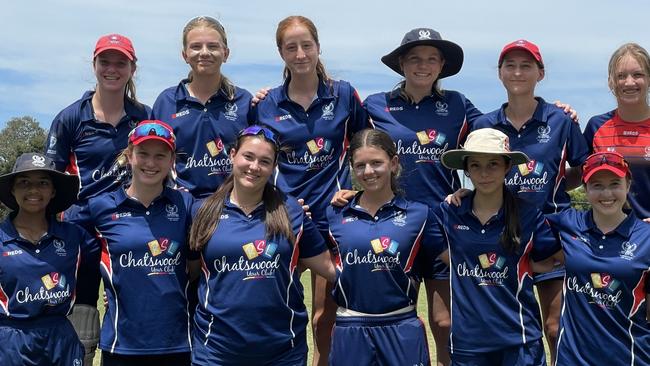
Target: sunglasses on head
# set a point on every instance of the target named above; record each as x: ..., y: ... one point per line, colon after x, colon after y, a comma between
x: 259, y: 130
x: 605, y: 158
x: 152, y: 129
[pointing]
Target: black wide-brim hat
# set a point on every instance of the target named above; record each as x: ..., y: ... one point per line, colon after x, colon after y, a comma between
x: 451, y: 52
x: 66, y: 185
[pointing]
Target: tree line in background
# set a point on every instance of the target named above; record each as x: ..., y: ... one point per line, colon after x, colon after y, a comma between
x: 24, y: 134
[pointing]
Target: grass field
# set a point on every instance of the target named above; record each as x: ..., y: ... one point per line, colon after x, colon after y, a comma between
x: 422, y: 312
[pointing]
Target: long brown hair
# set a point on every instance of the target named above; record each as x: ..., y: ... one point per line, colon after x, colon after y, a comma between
x: 225, y: 86
x: 307, y: 23
x: 276, y: 219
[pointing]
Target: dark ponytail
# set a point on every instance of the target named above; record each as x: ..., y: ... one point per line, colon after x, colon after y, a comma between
x: 511, y: 236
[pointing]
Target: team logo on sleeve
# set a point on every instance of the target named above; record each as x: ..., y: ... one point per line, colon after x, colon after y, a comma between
x: 603, y: 290
x: 55, y: 290
x: 627, y: 250
x: 383, y: 255
x: 328, y: 111
x: 543, y: 134
x: 259, y: 260
x: 230, y: 111
x: 162, y: 256
x: 491, y: 270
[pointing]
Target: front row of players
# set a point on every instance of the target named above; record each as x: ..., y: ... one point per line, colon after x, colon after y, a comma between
x: 248, y: 241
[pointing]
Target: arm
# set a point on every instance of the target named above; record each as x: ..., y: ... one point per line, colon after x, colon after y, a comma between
x: 548, y: 264
x: 568, y: 110
x: 59, y: 141
x: 342, y: 197
x: 322, y: 264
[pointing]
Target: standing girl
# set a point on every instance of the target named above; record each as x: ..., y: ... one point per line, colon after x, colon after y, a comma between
x: 205, y: 110
x: 142, y: 230
x: 315, y: 116
x: 38, y: 265
x: 252, y: 238
x: 382, y: 241
x: 492, y: 238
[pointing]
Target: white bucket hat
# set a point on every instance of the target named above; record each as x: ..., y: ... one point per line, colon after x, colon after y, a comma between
x: 483, y: 141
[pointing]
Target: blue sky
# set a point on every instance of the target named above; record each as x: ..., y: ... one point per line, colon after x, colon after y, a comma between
x: 46, y: 53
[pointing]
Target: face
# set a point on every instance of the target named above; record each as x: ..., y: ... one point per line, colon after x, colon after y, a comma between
x: 113, y: 70
x: 150, y: 162
x: 631, y: 82
x: 299, y: 50
x: 373, y: 169
x: 205, y: 51
x: 487, y: 172
x: 253, y: 163
x: 607, y: 192
x: 520, y: 73
x: 33, y: 191
x: 421, y: 66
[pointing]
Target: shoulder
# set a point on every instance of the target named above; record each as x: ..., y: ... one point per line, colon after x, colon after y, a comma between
x: 242, y: 94
x: 598, y: 120
x: 167, y: 95
x: 68, y: 230
x: 487, y: 119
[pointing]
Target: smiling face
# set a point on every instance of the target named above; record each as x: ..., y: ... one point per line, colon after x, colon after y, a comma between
x: 151, y: 162
x: 252, y: 164
x: 205, y: 51
x: 373, y: 169
x: 299, y: 50
x: 520, y: 73
x: 421, y: 66
x: 487, y: 172
x: 33, y: 191
x: 630, y: 81
x: 607, y: 192
x: 113, y: 70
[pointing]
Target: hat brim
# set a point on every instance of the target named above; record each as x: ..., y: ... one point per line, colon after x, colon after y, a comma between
x: 454, y: 159
x: 157, y: 138
x: 122, y: 50
x: 451, y: 52
x: 66, y: 186
x: 619, y: 173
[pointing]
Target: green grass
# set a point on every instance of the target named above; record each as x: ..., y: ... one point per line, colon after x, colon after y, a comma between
x: 305, y: 279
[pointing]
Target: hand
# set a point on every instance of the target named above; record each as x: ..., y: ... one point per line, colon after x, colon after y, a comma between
x: 305, y: 207
x: 568, y: 110
x: 342, y: 197
x: 455, y: 198
x: 647, y: 219
x: 260, y: 95
x: 105, y: 298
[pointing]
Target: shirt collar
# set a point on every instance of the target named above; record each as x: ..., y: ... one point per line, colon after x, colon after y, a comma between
x: 324, y: 92
x: 7, y: 226
x: 624, y: 229
x: 182, y: 93
x: 397, y: 94
x: 121, y: 196
x: 467, y: 204
x: 540, y: 114
x: 133, y: 111
x: 397, y: 201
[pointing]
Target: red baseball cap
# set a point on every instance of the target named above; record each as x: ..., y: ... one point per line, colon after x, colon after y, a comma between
x: 115, y: 42
x: 611, y: 161
x: 153, y: 130
x: 524, y: 45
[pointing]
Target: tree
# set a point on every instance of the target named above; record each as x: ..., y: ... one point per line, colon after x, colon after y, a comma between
x: 579, y: 199
x: 20, y: 135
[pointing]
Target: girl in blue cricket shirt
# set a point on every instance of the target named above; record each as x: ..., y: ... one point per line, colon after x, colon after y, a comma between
x: 142, y: 229
x: 252, y: 237
x: 206, y: 110
x: 315, y: 116
x: 606, y: 251
x: 492, y: 239
x: 382, y: 241
x: 38, y: 265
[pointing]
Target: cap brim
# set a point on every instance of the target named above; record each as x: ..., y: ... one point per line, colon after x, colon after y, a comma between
x: 154, y: 137
x: 122, y: 50
x: 451, y: 52
x: 453, y: 159
x: 66, y: 186
x: 618, y: 172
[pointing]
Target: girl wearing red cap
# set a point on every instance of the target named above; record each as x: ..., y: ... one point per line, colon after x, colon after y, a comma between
x: 142, y: 228
x: 626, y: 129
x: 606, y: 252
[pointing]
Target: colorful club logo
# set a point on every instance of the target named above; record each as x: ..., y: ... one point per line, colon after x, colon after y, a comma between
x: 535, y: 167
x: 259, y: 248
x: 54, y: 279
x: 319, y: 144
x: 215, y: 147
x: 163, y: 245
x: 604, y: 281
x: 488, y: 260
x: 430, y: 135
x: 384, y: 243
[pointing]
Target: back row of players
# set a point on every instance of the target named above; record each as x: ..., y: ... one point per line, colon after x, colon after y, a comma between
x: 316, y: 117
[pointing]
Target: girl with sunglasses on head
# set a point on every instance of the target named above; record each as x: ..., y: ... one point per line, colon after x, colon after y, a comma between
x: 382, y: 240
x: 606, y: 251
x: 492, y: 239
x: 252, y: 237
x: 315, y: 116
x: 142, y: 228
x: 39, y: 265
x: 626, y: 129
x: 205, y: 110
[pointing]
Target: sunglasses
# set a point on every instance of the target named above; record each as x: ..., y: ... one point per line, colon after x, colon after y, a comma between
x: 605, y: 158
x: 152, y: 129
x: 259, y: 130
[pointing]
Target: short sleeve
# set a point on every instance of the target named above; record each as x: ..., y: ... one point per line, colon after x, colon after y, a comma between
x: 545, y: 243
x: 433, y: 243
x: 311, y: 242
